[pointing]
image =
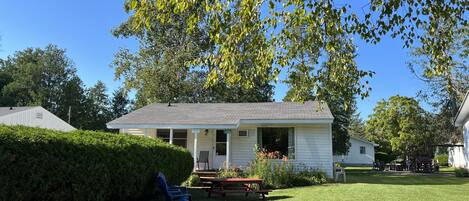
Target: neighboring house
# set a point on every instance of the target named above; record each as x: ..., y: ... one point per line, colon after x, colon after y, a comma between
x: 32, y: 117
x: 230, y: 131
x: 360, y: 153
x: 459, y: 156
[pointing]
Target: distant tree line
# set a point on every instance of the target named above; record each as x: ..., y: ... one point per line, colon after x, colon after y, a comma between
x: 47, y: 77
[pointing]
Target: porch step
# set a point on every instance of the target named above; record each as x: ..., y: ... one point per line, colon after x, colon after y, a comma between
x: 209, y: 174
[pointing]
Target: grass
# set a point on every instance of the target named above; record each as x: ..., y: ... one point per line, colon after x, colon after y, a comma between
x: 364, y: 184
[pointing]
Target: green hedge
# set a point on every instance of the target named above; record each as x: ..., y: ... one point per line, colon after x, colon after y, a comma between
x: 461, y: 172
x: 442, y: 159
x: 40, y: 164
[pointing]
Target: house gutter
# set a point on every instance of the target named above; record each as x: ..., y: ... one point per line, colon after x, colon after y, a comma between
x: 259, y: 122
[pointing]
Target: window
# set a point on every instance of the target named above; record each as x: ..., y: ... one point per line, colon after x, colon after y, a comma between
x: 281, y: 140
x: 243, y: 133
x: 362, y: 150
x: 220, y: 143
x: 179, y: 136
x: 163, y: 134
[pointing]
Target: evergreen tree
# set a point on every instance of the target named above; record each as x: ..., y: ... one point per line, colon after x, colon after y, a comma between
x: 120, y: 104
x: 98, y: 110
x: 357, y: 125
x: 74, y: 104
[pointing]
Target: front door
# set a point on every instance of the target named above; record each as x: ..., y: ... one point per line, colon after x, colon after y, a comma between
x: 219, y: 149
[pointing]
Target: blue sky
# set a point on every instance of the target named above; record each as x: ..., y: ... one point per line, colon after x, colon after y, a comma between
x: 84, y: 27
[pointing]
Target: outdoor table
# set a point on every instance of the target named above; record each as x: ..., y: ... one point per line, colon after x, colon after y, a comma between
x: 228, y: 185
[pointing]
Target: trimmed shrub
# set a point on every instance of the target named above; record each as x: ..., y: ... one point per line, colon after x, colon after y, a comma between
x: 461, y: 172
x: 442, y: 159
x: 41, y: 164
x: 307, y: 177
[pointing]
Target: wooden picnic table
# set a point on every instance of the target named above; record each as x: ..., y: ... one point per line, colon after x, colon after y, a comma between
x: 237, y: 185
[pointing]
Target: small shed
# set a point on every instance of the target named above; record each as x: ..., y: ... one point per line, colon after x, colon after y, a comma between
x: 35, y: 116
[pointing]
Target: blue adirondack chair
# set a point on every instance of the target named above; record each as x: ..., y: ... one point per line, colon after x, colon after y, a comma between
x: 172, y: 193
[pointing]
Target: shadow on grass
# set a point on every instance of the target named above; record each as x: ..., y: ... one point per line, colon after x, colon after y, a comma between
x: 201, y: 195
x: 278, y: 197
x: 371, y: 177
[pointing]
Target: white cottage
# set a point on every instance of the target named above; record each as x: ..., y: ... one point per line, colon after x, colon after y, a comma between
x: 230, y: 131
x: 459, y: 155
x: 361, y: 153
x: 33, y: 117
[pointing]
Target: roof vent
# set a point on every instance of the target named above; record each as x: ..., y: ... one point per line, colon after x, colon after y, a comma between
x: 11, y: 108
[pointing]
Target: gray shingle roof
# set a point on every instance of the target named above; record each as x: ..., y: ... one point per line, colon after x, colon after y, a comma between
x: 7, y: 110
x: 222, y: 113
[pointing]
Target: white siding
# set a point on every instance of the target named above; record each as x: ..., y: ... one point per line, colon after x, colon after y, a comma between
x: 242, y: 148
x: 314, y: 147
x: 36, y: 117
x: 354, y: 157
x: 459, y: 156
x: 466, y: 144
x: 465, y: 149
x: 456, y: 157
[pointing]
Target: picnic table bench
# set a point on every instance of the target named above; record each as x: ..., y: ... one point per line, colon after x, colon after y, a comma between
x: 237, y: 185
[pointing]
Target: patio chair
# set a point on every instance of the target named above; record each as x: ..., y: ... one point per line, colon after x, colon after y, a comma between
x: 203, y: 158
x: 172, y: 193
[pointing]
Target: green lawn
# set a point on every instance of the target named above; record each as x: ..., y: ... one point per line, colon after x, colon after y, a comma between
x: 363, y: 184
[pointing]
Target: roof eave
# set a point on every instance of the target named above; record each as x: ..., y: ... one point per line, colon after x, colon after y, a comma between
x: 175, y: 126
x: 286, y: 121
x: 365, y: 141
x: 115, y: 125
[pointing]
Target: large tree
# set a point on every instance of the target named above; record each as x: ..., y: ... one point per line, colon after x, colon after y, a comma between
x: 38, y: 76
x: 340, y: 96
x: 45, y: 77
x: 291, y: 25
x: 5, y: 79
x: 445, y: 92
x: 401, y: 128
x: 159, y: 71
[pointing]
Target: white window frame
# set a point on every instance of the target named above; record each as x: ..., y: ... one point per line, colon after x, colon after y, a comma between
x: 364, y: 149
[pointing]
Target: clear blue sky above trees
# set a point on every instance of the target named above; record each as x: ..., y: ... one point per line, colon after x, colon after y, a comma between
x: 84, y: 29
